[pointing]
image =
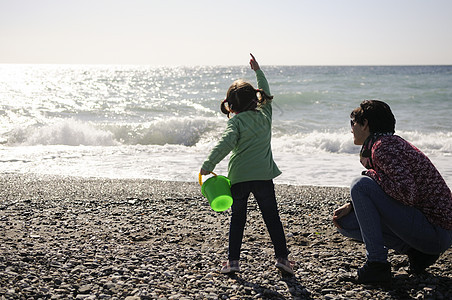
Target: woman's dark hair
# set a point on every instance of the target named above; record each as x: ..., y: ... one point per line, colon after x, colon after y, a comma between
x: 378, y: 115
x: 242, y: 96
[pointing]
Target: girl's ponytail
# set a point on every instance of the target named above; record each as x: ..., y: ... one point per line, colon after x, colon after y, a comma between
x: 225, y: 109
x: 263, y: 98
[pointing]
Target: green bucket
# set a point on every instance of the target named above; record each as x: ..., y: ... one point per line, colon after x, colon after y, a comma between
x: 217, y: 190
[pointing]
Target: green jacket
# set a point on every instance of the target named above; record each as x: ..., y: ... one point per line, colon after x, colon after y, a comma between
x: 248, y: 136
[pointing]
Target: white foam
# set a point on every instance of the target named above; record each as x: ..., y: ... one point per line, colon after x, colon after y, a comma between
x: 184, y: 131
x: 62, y: 132
x: 437, y: 142
x: 313, y: 142
x: 180, y: 163
x: 177, y: 131
x: 341, y: 142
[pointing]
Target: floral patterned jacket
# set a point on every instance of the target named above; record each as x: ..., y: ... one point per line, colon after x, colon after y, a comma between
x: 407, y: 175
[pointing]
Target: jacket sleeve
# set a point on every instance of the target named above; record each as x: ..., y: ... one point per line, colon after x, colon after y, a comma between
x: 392, y: 173
x: 223, y: 147
x: 262, y: 82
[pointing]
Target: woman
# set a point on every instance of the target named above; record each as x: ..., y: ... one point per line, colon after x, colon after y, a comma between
x: 400, y: 202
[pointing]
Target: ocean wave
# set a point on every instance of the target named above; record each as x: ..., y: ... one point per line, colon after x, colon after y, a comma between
x: 341, y: 142
x: 189, y: 131
x: 184, y: 131
x: 315, y: 141
x: 179, y: 131
x: 67, y: 132
x: 438, y: 142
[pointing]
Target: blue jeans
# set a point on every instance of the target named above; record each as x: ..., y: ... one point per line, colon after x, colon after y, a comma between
x: 264, y: 192
x: 383, y: 223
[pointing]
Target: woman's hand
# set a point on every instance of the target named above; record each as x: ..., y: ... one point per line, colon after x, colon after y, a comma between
x: 253, y: 63
x: 341, y: 212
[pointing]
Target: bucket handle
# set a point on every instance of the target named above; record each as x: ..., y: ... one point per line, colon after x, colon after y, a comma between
x: 200, y: 177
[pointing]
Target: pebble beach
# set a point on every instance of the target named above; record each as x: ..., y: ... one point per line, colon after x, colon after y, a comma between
x: 91, y: 238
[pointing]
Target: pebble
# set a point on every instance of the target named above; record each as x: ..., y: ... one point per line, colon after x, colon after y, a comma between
x: 66, y: 238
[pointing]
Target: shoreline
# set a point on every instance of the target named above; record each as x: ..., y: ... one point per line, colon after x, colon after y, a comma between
x: 96, y: 238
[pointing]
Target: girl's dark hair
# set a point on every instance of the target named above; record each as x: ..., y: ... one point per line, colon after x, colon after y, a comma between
x: 378, y: 115
x: 242, y: 96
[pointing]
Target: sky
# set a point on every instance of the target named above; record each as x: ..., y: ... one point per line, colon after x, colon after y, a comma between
x: 217, y: 32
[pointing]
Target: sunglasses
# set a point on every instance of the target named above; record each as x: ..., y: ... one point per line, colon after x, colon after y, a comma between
x: 352, y: 123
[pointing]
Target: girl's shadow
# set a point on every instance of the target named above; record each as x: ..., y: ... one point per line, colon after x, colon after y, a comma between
x: 296, y: 290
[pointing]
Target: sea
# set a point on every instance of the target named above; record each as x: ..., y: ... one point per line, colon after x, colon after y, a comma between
x: 137, y: 121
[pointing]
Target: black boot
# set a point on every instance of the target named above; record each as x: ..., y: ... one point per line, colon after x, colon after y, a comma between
x: 374, y: 272
x: 420, y: 261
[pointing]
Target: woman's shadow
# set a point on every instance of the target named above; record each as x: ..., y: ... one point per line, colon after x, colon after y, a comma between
x: 428, y: 285
x: 405, y: 286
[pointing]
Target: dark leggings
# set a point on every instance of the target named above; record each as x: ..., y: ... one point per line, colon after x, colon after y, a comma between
x: 264, y: 192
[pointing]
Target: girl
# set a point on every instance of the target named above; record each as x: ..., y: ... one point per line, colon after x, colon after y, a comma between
x: 251, y: 167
